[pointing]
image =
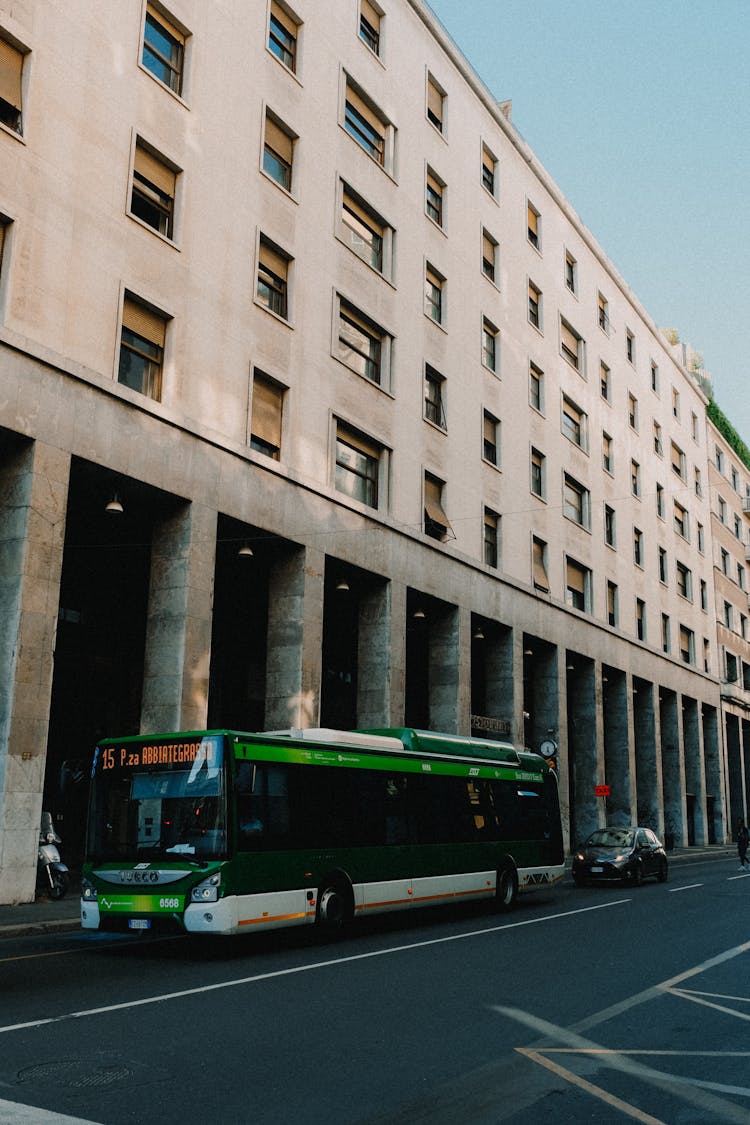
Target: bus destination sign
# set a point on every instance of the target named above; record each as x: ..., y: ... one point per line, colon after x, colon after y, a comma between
x: 136, y: 755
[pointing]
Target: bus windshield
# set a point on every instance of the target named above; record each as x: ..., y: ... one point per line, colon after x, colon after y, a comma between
x: 164, y: 800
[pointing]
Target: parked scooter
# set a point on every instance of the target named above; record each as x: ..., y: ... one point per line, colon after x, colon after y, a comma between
x: 52, y: 876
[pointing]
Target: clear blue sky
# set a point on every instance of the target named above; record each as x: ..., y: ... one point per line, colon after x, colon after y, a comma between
x: 640, y: 111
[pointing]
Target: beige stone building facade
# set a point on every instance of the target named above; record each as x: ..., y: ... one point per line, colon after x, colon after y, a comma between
x: 320, y: 406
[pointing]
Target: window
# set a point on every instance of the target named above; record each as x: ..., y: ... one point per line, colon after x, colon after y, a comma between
x: 704, y: 595
x: 357, y: 465
x: 434, y: 293
x: 365, y: 232
x: 663, y: 568
x: 535, y: 306
x: 273, y: 278
x: 694, y: 430
x: 603, y: 310
x: 654, y: 378
x: 612, y: 604
x: 678, y: 461
x: 681, y: 524
x: 491, y: 537
x: 629, y: 346
x: 684, y: 579
x: 722, y: 509
x: 267, y: 408
x: 163, y: 49
x: 698, y: 482
x: 719, y: 458
x: 635, y: 478
x: 571, y: 272
x: 489, y: 256
x: 725, y: 561
x: 632, y: 412
x: 11, y: 70
x: 278, y: 152
x: 640, y: 619
x: 574, y: 423
x: 435, y: 103
x: 675, y: 403
x: 605, y: 382
x: 369, y: 25
x: 577, y: 585
x: 539, y: 564
x: 141, y: 348
x: 658, y: 443
x: 153, y: 194
x: 660, y: 501
x: 731, y: 666
x: 282, y: 36
x: 687, y: 645
x: 489, y: 345
x: 4, y: 239
x: 538, y: 474
x: 610, y: 537
x: 608, y: 458
x: 701, y: 539
x: 735, y: 477
x: 666, y: 638
x: 738, y: 528
x: 434, y: 189
x: 436, y: 523
x: 490, y: 438
x: 362, y: 344
x: 536, y: 387
x: 489, y: 171
x: 728, y: 615
x: 740, y: 576
x: 434, y: 397
x: 572, y: 346
x: 533, y: 226
x: 366, y: 125
x: 576, y: 502
x: 637, y: 546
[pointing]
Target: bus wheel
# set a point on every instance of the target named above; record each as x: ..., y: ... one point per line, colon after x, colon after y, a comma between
x: 506, y: 888
x: 334, y: 908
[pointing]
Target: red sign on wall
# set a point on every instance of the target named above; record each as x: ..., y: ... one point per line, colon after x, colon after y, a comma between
x: 601, y: 790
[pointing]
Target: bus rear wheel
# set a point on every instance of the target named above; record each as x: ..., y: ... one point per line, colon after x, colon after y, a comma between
x: 334, y: 908
x: 506, y: 888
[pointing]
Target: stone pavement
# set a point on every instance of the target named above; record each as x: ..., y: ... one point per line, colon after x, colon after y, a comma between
x: 44, y: 916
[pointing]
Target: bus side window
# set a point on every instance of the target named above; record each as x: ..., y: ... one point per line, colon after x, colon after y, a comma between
x: 250, y: 787
x: 396, y: 821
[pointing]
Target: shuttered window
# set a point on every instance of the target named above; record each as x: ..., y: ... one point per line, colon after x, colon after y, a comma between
x: 435, y: 104
x: 490, y: 438
x: 539, y: 565
x: 282, y: 36
x: 436, y: 523
x: 489, y: 252
x: 434, y: 198
x: 357, y: 465
x: 533, y: 226
x: 364, y: 125
x: 489, y: 165
x: 273, y: 271
x: 163, y: 49
x: 571, y: 344
x: 369, y: 25
x: 11, y: 69
x: 265, y: 426
x: 576, y: 581
x: 433, y: 294
x: 141, y: 348
x: 491, y: 537
x: 278, y: 150
x: 362, y: 230
x: 153, y: 194
x: 360, y: 343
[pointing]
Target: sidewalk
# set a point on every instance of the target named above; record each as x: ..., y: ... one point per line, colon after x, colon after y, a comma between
x: 45, y: 917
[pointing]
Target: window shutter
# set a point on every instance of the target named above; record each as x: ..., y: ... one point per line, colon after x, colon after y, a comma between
x: 286, y: 21
x: 488, y: 247
x: 358, y: 441
x: 576, y: 578
x: 432, y: 503
x: 273, y: 260
x: 364, y: 217
x: 154, y: 170
x: 166, y: 23
x: 143, y: 322
x: 533, y: 221
x: 372, y: 17
x: 278, y: 140
x: 541, y: 580
x: 11, y: 65
x: 266, y: 423
x: 364, y: 110
x: 569, y: 338
x: 434, y: 100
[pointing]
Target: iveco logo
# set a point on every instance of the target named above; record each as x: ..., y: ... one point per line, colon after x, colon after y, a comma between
x: 139, y: 876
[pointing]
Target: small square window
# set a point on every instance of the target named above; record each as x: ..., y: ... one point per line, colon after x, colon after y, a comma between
x: 605, y: 382
x: 141, y: 348
x: 571, y: 272
x: 577, y: 585
x: 435, y: 103
x: 278, y: 152
x: 489, y: 171
x: 572, y: 347
x: 266, y: 415
x: 436, y: 523
x: 533, y: 226
x: 535, y: 306
x: 434, y: 197
x: 11, y: 86
x: 369, y: 127
x: 283, y: 30
x: 362, y: 345
x: 630, y: 346
x: 539, y: 565
x: 489, y: 345
x: 364, y: 231
x: 536, y: 387
x: 273, y: 278
x: 538, y: 482
x: 490, y: 438
x: 153, y: 194
x: 603, y: 313
x: 489, y: 257
x: 434, y: 295
x: 434, y: 397
x: 491, y: 538
x: 357, y: 468
x: 369, y: 25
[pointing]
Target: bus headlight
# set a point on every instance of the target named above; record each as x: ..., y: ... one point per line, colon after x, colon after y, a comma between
x: 89, y: 892
x: 207, y: 891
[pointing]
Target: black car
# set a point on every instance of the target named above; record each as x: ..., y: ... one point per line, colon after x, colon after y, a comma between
x: 627, y: 854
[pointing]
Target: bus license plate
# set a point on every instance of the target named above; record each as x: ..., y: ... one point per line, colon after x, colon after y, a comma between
x: 139, y: 923
x: 596, y: 870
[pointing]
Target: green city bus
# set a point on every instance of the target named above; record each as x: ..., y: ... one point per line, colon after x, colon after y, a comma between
x: 220, y: 832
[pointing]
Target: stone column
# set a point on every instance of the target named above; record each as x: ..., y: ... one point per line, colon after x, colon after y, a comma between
x: 695, y: 773
x: 381, y: 656
x: 715, y: 787
x: 646, y: 730
x: 617, y: 729
x: 450, y: 662
x: 295, y: 640
x: 34, y: 484
x: 178, y: 631
x: 673, y: 767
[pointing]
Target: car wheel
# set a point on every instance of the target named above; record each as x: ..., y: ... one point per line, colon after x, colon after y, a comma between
x: 638, y: 874
x: 506, y: 888
x: 663, y: 872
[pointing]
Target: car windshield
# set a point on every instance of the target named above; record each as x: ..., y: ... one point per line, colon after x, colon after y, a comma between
x: 611, y: 838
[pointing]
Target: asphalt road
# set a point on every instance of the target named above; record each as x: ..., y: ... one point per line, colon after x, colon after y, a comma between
x: 583, y: 1005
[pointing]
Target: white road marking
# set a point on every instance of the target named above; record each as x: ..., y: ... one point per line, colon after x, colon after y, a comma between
x: 257, y: 977
x: 690, y: 887
x: 13, y: 1113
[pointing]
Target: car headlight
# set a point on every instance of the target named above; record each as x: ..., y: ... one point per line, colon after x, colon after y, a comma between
x: 580, y: 856
x: 207, y: 891
x: 89, y: 892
